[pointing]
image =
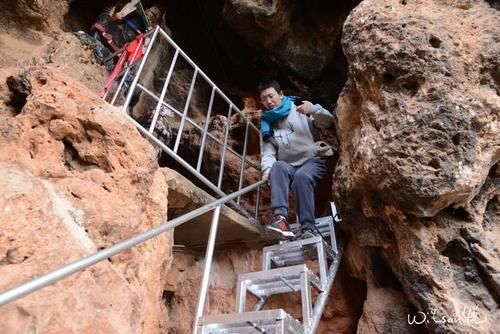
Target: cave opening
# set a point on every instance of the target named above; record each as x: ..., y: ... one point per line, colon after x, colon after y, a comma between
x: 306, y: 57
x: 238, y: 63
x: 82, y: 14
x: 384, y: 276
x: 307, y: 65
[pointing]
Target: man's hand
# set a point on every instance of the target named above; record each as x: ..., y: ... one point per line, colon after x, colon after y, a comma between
x: 265, y: 177
x: 305, y: 108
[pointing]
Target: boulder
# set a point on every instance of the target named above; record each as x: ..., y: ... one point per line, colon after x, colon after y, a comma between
x: 77, y: 177
x: 418, y: 174
x: 301, y: 37
x: 416, y: 121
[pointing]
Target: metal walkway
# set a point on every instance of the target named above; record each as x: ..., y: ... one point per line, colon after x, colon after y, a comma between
x: 284, y: 270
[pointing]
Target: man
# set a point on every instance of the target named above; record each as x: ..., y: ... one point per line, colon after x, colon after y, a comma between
x: 290, y: 156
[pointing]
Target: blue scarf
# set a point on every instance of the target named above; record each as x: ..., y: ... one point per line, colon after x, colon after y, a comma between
x: 274, y: 115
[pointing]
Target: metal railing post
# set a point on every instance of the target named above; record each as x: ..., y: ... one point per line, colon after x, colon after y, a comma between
x: 208, y: 265
x: 205, y: 130
x: 184, y: 113
x: 223, y: 155
x: 242, y: 172
x: 322, y: 298
x: 139, y: 70
x: 257, y: 199
x: 118, y: 89
x: 163, y: 91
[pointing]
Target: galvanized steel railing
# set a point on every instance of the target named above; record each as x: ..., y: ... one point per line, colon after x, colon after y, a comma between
x: 161, y: 96
x: 58, y: 274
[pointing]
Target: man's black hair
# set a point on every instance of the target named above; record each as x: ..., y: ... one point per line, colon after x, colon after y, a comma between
x: 263, y: 85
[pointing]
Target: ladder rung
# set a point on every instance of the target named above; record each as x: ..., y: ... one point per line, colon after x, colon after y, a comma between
x: 292, y: 245
x: 246, y: 322
x: 289, y: 260
x: 291, y: 253
x: 287, y: 255
x: 322, y: 224
x: 274, y: 288
x: 281, y: 280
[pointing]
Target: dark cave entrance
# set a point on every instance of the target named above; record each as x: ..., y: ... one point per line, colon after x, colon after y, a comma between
x: 82, y: 14
x: 237, y: 65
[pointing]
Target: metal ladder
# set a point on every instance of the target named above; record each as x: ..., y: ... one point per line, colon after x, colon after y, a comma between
x: 289, y: 275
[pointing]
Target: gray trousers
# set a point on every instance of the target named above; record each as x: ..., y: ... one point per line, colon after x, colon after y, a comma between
x: 301, y: 179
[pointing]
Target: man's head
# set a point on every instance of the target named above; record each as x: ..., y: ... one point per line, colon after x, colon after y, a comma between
x: 270, y: 94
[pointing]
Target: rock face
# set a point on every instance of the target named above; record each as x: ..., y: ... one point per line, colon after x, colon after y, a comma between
x: 31, y: 35
x: 418, y: 176
x: 301, y: 37
x: 37, y: 15
x: 77, y: 177
x: 262, y: 22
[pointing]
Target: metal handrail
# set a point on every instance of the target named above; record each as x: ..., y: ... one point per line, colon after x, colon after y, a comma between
x: 203, y: 130
x: 206, y: 271
x: 170, y: 66
x: 178, y: 159
x: 58, y: 274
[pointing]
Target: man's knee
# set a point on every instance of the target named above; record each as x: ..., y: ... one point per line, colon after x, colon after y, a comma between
x: 302, y: 178
x: 279, y: 167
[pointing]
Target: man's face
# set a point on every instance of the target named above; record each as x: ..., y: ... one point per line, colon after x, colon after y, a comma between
x: 270, y: 98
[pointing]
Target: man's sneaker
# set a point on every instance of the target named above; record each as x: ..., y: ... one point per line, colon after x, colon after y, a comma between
x: 280, y: 225
x: 307, y: 234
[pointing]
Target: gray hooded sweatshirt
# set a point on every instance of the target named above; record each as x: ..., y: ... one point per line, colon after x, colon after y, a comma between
x: 293, y: 139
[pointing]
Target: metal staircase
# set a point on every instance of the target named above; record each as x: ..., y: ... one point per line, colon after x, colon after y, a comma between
x: 284, y: 270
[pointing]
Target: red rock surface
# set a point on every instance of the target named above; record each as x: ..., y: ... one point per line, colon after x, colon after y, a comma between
x: 418, y: 177
x: 31, y: 35
x: 77, y: 177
